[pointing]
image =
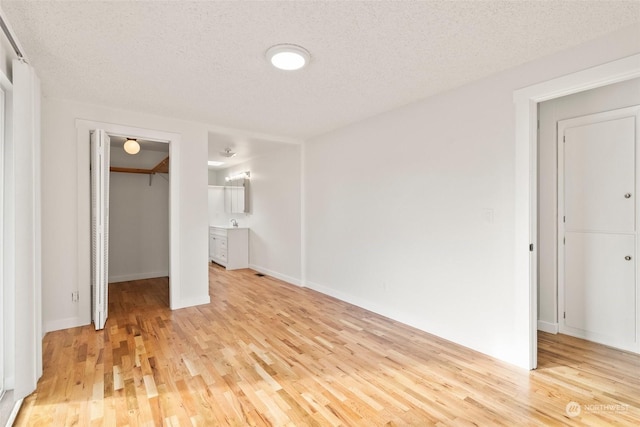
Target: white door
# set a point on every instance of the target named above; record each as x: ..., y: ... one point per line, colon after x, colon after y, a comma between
x: 99, y: 226
x: 598, y: 298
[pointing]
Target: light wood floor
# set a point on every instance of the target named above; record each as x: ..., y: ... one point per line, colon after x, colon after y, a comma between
x: 267, y: 353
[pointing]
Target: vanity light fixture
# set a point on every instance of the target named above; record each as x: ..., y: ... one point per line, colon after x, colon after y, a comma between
x: 131, y: 146
x: 241, y: 175
x: 214, y: 163
x: 288, y: 57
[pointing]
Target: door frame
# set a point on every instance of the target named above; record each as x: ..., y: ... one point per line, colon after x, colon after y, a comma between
x: 526, y: 177
x: 3, y: 123
x: 83, y: 129
x: 561, y: 127
x: 7, y: 282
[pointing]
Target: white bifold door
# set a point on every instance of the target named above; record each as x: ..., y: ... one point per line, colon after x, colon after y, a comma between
x: 598, y: 239
x: 100, y: 150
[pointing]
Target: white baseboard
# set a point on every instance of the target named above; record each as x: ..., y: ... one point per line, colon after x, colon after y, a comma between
x: 137, y: 276
x: 190, y: 302
x: 396, y: 315
x: 280, y: 276
x: 69, y: 322
x: 549, y: 327
x: 14, y: 413
x: 9, y: 382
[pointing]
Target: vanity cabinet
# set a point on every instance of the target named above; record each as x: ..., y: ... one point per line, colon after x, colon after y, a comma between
x: 229, y: 247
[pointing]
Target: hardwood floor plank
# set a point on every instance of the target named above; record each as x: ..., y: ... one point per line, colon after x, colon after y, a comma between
x: 265, y: 353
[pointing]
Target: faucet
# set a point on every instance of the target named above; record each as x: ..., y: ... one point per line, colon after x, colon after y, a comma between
x: 234, y: 222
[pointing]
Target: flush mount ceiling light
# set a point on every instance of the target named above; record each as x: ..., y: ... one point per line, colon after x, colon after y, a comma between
x: 288, y: 57
x: 227, y: 153
x: 215, y: 163
x: 131, y: 146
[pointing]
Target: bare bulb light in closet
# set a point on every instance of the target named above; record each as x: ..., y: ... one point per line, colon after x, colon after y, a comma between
x: 131, y: 146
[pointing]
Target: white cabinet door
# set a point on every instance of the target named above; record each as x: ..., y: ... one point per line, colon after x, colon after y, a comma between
x: 599, y: 169
x: 221, y: 250
x: 212, y: 247
x: 597, y: 185
x: 600, y: 288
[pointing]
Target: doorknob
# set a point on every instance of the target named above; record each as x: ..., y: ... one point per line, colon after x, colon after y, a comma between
x: 627, y: 196
x: 628, y: 258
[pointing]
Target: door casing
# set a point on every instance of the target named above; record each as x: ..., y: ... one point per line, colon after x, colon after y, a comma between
x: 83, y: 129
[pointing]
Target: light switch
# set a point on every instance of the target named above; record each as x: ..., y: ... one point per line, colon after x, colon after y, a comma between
x: 487, y: 216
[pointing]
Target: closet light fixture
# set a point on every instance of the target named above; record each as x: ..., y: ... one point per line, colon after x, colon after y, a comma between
x: 214, y: 163
x: 131, y: 146
x: 241, y: 175
x: 288, y: 57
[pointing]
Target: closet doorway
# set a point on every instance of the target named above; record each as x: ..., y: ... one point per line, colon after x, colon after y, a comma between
x: 171, y: 140
x: 587, y: 287
x: 129, y: 214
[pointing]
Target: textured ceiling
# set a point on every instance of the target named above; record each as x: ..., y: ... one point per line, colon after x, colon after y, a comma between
x: 204, y: 61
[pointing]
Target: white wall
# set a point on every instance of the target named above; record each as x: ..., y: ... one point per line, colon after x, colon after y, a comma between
x: 411, y: 213
x: 138, y: 226
x: 274, y: 218
x: 65, y: 267
x: 7, y: 204
x: 27, y: 231
x: 606, y: 98
x: 213, y: 177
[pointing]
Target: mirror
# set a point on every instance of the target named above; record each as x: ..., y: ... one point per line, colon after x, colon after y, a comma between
x: 235, y: 196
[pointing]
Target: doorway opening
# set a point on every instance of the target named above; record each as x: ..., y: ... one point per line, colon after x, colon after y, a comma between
x: 526, y: 179
x: 138, y: 211
x: 129, y: 214
x: 84, y: 129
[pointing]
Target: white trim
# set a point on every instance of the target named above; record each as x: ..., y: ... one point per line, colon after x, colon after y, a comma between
x: 14, y: 413
x: 137, y: 276
x: 526, y: 141
x: 83, y: 127
x: 348, y: 298
x: 7, y: 223
x: 69, y: 322
x: 549, y: 327
x: 382, y: 310
x: 280, y: 276
x: 303, y: 215
x: 190, y: 302
x: 3, y: 319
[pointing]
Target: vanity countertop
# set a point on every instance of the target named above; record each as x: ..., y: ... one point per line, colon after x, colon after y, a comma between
x: 228, y: 227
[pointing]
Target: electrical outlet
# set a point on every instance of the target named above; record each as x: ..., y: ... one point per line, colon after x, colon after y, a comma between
x: 75, y: 296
